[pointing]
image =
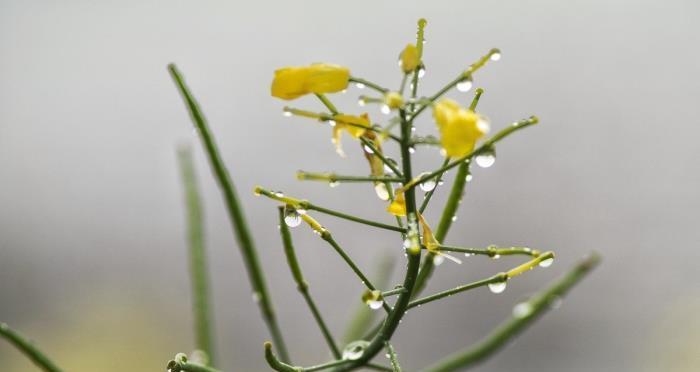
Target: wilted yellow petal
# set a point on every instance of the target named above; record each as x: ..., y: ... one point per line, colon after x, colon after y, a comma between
x: 398, y: 206
x: 337, y: 131
x: 429, y: 240
x: 410, y: 58
x: 355, y: 125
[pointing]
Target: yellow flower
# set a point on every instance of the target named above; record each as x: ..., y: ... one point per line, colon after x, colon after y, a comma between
x: 410, y: 58
x: 354, y: 125
x: 393, y: 99
x: 293, y: 82
x: 459, y: 127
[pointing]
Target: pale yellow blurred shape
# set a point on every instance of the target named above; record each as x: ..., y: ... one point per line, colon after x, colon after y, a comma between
x: 674, y: 340
x: 108, y: 334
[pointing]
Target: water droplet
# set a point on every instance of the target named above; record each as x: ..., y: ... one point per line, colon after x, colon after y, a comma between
x: 278, y: 194
x: 361, y: 102
x: 427, y: 185
x: 354, y: 350
x: 522, y: 310
x: 454, y: 218
x: 497, y: 287
x: 331, y: 123
x: 412, y: 150
x: 469, y: 178
x: 291, y: 217
x: 555, y: 302
x: 256, y: 297
x: 375, y: 304
x: 443, y: 152
x: 484, y: 124
x: 421, y: 71
x: 546, y: 262
x: 360, y: 86
x: 385, y: 109
x: 382, y: 192
x: 496, y: 256
x: 438, y: 259
x: 387, y: 355
x: 301, y: 211
x: 495, y: 54
x: 368, y: 149
x: 465, y: 85
x: 333, y: 183
x: 407, y: 243
x: 286, y: 112
x: 467, y: 254
x: 486, y: 158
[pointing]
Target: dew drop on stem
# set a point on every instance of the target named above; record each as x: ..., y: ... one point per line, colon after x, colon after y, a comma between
x: 465, y: 85
x: 497, y: 287
x: 486, y: 158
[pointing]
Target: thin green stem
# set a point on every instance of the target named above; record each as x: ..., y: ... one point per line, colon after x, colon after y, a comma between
x: 393, y: 292
x: 324, y: 117
x: 368, y: 84
x: 402, y: 87
x: 492, y: 251
x: 429, y: 194
x: 381, y: 156
x: 440, y: 295
x: 201, y: 303
x: 307, y: 205
x: 475, y: 100
x: 392, y: 357
x: 329, y: 105
x: 331, y: 212
x: 467, y: 74
x: 326, y: 235
x: 28, y: 349
x: 362, y: 318
x: 486, y: 145
x: 275, y: 363
x: 192, y: 367
x: 235, y: 211
x: 532, y: 309
x: 302, y: 285
x: 332, y: 177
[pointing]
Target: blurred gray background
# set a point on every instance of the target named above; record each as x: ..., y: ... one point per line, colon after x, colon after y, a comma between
x: 92, y: 253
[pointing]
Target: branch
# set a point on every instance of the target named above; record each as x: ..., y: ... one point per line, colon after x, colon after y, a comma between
x: 204, y: 339
x: 533, y: 308
x: 28, y: 349
x: 235, y: 211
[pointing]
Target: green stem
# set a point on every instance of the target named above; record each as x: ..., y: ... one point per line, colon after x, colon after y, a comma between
x: 487, y: 144
x: 235, y: 211
x: 192, y: 367
x: 324, y: 117
x: 392, y: 320
x: 492, y: 251
x: 467, y: 74
x: 368, y: 84
x: 440, y: 295
x: 327, y: 103
x: 201, y: 304
x: 307, y: 205
x: 302, y: 285
x: 332, y: 177
x: 28, y: 349
x: 393, y: 292
x: 429, y: 194
x: 326, y: 235
x: 535, y: 306
x: 392, y: 357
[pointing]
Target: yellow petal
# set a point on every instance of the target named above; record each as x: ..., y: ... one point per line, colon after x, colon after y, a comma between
x: 327, y: 78
x: 398, y: 206
x: 410, y: 58
x: 459, y: 129
x: 289, y: 83
x: 337, y: 131
x: 293, y: 82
